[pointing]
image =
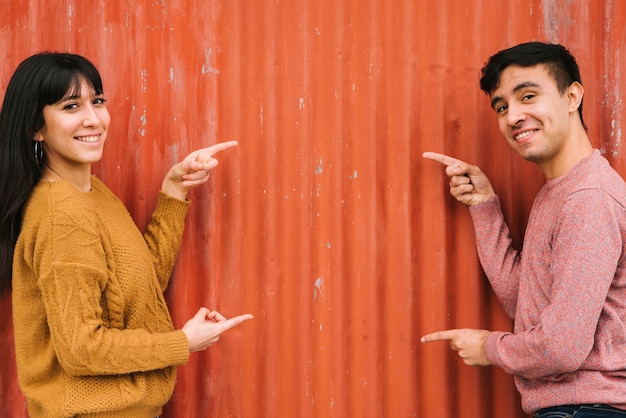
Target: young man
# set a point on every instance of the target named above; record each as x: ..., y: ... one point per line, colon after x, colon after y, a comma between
x: 566, y: 290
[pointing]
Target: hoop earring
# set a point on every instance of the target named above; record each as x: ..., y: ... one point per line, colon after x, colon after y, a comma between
x: 38, y: 152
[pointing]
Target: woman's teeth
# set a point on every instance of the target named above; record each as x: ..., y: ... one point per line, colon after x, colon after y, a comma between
x: 92, y: 138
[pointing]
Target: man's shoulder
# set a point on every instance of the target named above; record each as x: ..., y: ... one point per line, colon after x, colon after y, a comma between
x: 599, y: 175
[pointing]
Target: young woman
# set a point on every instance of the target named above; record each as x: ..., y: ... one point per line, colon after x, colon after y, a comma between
x: 93, y: 335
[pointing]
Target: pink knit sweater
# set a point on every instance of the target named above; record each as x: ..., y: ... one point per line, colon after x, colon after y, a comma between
x: 566, y: 290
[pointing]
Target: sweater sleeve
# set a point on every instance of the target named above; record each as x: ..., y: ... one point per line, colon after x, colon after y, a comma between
x: 164, y: 235
x: 585, y: 250
x: 500, y: 261
x: 71, y: 266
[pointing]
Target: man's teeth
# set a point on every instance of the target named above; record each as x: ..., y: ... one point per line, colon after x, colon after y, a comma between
x: 92, y: 138
x: 523, y: 135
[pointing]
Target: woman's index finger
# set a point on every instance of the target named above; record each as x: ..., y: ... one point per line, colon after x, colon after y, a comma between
x: 214, y: 149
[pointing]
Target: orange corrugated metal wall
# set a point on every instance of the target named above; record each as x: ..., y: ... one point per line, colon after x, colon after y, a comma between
x: 325, y: 223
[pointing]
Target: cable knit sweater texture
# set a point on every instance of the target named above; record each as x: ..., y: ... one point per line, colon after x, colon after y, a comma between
x: 566, y: 289
x: 93, y: 335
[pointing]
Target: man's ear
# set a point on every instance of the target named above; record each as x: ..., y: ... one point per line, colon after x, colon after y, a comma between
x: 575, y: 94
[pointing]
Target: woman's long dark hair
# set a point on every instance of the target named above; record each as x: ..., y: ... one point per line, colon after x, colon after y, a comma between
x: 40, y: 80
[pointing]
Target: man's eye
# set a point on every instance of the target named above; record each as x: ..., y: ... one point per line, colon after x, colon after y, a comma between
x: 501, y: 108
x: 527, y: 97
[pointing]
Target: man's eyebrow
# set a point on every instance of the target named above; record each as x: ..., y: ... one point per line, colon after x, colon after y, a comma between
x: 524, y: 85
x: 517, y: 88
x: 495, y: 100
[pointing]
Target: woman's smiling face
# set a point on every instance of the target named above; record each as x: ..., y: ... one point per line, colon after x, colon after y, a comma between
x: 75, y: 130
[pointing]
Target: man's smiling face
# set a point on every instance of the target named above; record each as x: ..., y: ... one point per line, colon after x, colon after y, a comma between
x: 533, y: 115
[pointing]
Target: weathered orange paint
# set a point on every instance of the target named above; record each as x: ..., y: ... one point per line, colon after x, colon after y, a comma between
x: 325, y: 223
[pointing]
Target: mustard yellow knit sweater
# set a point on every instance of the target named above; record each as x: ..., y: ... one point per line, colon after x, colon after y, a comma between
x: 93, y: 335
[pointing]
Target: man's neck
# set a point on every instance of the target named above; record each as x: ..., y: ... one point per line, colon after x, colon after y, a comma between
x: 574, y: 149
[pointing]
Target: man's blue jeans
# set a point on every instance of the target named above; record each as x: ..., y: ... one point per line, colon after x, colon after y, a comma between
x: 581, y: 411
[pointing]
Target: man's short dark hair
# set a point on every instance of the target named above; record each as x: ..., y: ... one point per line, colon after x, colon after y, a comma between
x: 560, y: 63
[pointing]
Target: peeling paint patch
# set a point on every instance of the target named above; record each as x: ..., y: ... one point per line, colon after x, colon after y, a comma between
x: 171, y: 77
x: 301, y: 103
x: 317, y: 287
x: 319, y: 169
x: 616, y: 134
x: 175, y: 158
x: 144, y: 80
x: 144, y: 121
x: 207, y: 68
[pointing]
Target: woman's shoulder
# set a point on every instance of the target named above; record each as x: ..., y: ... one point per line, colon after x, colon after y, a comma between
x: 63, y: 191
x: 60, y: 200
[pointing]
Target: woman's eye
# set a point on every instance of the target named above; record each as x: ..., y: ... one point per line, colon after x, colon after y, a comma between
x: 99, y: 101
x: 70, y: 106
